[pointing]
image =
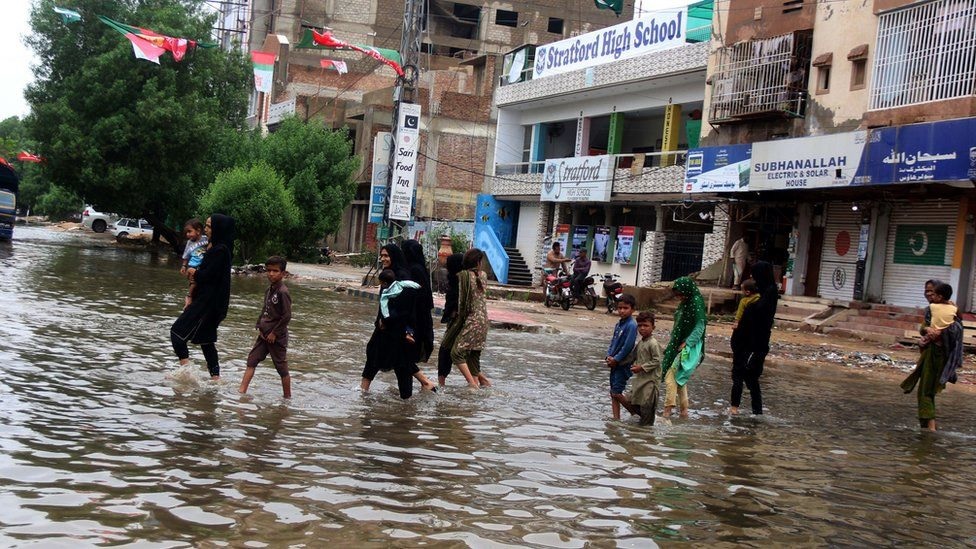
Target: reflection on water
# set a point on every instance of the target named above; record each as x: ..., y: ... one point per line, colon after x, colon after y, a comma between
x: 98, y: 447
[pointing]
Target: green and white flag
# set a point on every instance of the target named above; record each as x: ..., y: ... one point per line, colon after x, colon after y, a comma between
x: 67, y: 16
x: 921, y: 244
x: 263, y: 70
x: 616, y: 5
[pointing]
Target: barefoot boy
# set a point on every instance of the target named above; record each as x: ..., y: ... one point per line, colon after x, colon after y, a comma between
x: 618, y: 353
x: 646, y: 368
x: 272, y: 327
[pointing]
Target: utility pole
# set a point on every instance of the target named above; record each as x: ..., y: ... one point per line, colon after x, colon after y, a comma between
x: 404, y: 93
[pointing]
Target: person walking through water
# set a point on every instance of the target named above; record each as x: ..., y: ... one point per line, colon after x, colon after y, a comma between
x: 750, y: 339
x: 423, y: 327
x: 686, y: 348
x: 940, y: 351
x: 387, y: 348
x: 473, y: 316
x: 444, y: 363
x: 739, y: 254
x: 211, y: 296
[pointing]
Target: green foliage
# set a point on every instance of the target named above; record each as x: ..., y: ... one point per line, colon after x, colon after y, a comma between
x: 59, y: 204
x: 263, y: 209
x: 460, y: 242
x: 13, y: 139
x: 319, y: 168
x: 128, y: 135
x: 365, y: 258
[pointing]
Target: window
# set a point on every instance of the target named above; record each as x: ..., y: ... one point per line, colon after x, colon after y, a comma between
x: 790, y: 6
x: 555, y: 25
x: 859, y: 69
x: 506, y: 18
x: 823, y: 79
x: 924, y: 53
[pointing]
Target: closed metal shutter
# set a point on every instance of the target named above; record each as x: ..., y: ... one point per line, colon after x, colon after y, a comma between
x: 921, y: 240
x: 838, y: 263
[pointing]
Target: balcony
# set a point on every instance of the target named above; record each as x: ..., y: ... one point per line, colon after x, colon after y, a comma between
x: 633, y: 174
x: 761, y: 79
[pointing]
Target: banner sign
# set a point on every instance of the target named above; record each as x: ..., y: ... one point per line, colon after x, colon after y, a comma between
x: 405, y: 162
x: 718, y: 169
x: 581, y: 237
x: 653, y: 32
x: 263, y: 70
x: 626, y: 253
x: 807, y: 163
x: 578, y: 179
x: 602, y: 244
x: 562, y: 237
x: 935, y: 151
x: 382, y: 144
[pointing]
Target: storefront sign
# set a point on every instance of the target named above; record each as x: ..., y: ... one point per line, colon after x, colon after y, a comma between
x: 807, y: 163
x: 627, y: 245
x: 382, y: 144
x: 577, y: 179
x: 653, y: 32
x: 602, y: 244
x: 718, y: 169
x: 936, y: 151
x: 405, y: 162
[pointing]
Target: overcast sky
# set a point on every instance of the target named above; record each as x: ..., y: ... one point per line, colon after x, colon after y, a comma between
x: 15, y: 58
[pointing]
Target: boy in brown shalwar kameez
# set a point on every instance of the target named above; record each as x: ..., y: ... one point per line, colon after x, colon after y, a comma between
x: 272, y: 327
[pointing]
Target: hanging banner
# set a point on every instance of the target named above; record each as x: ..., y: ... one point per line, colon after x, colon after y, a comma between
x: 578, y: 179
x: 807, y: 163
x: 718, y: 169
x: 626, y: 253
x: 263, y: 70
x: 581, y: 237
x: 602, y: 244
x: 405, y: 162
x: 562, y: 237
x: 654, y: 32
x: 382, y: 145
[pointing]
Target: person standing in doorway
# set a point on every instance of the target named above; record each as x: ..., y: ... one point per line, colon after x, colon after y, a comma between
x: 739, y: 254
x: 750, y: 339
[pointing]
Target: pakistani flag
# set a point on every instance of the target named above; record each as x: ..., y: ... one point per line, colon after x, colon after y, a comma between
x: 921, y: 244
x: 263, y: 70
x: 67, y: 16
x: 616, y: 5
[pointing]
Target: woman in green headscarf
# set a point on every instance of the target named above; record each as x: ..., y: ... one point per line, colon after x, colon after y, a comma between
x: 686, y: 349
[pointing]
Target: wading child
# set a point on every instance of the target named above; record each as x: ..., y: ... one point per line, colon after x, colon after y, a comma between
x: 618, y: 353
x: 392, y: 288
x: 646, y: 368
x: 196, y: 246
x: 272, y: 327
x: 750, y: 295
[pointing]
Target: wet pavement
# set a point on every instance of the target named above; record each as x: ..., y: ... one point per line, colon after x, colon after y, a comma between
x: 98, y: 446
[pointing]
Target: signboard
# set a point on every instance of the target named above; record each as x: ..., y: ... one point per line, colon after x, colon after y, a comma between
x: 278, y: 111
x: 562, y: 237
x: 382, y: 144
x: 718, y: 169
x: 581, y: 237
x: 405, y: 162
x: 653, y: 32
x: 602, y: 244
x: 936, y: 151
x: 578, y: 179
x: 627, y: 245
x: 807, y: 163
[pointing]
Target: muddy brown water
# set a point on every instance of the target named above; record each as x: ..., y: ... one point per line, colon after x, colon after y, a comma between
x: 98, y: 447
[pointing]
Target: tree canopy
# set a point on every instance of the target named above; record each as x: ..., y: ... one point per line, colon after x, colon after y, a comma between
x: 128, y: 135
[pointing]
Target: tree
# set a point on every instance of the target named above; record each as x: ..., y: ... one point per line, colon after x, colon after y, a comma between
x: 128, y: 135
x: 319, y: 168
x: 13, y: 139
x: 59, y: 204
x: 264, y: 211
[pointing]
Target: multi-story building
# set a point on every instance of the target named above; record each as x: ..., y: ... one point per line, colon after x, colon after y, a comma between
x: 458, y: 72
x: 841, y: 140
x: 591, y: 138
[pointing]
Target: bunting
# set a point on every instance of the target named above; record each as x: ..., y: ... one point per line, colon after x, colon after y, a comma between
x: 339, y: 66
x: 67, y: 16
x: 327, y: 40
x: 263, y: 70
x: 150, y: 45
x: 25, y: 156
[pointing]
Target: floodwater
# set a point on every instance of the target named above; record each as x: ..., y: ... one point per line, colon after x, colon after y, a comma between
x: 98, y: 447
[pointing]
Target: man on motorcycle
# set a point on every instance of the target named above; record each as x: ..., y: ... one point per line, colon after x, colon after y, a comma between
x: 581, y: 269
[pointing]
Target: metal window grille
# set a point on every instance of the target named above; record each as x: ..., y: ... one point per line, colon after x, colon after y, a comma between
x: 925, y: 53
x: 761, y: 77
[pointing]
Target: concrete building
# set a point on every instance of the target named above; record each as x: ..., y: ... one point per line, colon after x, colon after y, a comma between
x: 461, y: 46
x: 842, y: 137
x: 591, y: 139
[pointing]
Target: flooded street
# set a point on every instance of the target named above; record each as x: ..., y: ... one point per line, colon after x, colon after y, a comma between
x: 98, y: 447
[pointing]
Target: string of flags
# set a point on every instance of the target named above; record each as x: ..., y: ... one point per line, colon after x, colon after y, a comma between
x: 25, y: 156
x: 328, y: 40
x: 339, y: 66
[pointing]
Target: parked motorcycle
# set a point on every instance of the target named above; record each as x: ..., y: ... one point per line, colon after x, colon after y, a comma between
x: 557, y: 288
x: 586, y: 294
x: 613, y: 291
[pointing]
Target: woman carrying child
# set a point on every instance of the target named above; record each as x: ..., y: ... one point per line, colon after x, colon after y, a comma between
x: 473, y: 317
x: 750, y: 337
x: 686, y: 348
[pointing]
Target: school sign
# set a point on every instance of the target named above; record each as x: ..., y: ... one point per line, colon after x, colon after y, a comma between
x: 654, y: 32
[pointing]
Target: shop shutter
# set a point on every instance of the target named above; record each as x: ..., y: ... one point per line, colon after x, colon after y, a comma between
x: 838, y: 263
x: 921, y: 238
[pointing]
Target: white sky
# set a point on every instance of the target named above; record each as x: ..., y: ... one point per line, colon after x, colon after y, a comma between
x: 15, y: 58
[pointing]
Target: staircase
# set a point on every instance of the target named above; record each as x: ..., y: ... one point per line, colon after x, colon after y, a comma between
x: 884, y: 323
x: 518, y: 269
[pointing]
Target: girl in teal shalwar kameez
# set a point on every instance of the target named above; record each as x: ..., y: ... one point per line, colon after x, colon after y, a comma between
x: 686, y: 348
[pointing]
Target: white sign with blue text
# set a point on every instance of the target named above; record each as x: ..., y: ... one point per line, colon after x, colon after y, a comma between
x: 654, y: 32
x: 578, y: 179
x: 807, y: 163
x: 405, y: 162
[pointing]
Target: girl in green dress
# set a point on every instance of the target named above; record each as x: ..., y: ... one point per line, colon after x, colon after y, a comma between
x: 686, y: 348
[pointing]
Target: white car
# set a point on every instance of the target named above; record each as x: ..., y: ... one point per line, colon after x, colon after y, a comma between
x: 128, y: 227
x: 96, y: 221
